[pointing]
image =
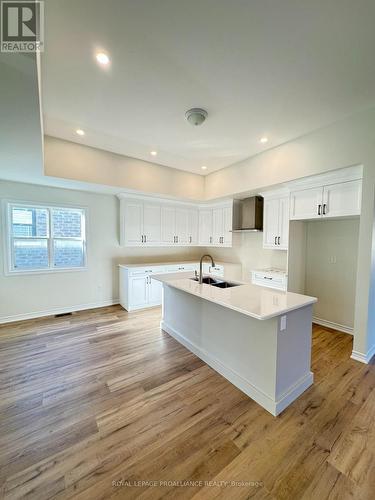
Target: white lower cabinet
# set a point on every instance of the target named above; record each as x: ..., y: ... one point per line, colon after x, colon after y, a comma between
x: 270, y: 278
x: 155, y: 292
x: 137, y: 288
x: 138, y: 291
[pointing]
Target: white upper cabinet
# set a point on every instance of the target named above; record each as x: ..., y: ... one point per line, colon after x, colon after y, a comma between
x: 193, y: 217
x: 270, y: 222
x: 228, y: 225
x: 131, y: 230
x: 283, y: 223
x: 179, y: 226
x: 153, y: 222
x: 168, y: 225
x: 215, y: 225
x: 306, y: 203
x: 276, y: 222
x: 344, y: 199
x: 205, y: 226
x: 140, y: 223
x: 341, y: 199
x: 182, y: 226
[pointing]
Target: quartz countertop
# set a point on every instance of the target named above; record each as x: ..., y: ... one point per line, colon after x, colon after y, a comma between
x: 159, y: 264
x: 176, y: 263
x: 251, y: 300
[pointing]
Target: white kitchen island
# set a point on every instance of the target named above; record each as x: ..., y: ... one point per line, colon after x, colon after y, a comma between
x: 257, y: 338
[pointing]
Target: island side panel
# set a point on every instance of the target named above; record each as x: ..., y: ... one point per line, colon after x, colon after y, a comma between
x: 241, y: 348
x: 294, y: 374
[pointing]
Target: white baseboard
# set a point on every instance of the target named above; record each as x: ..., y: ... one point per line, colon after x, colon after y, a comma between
x: 266, y: 401
x: 335, y: 326
x: 364, y: 358
x: 57, y: 310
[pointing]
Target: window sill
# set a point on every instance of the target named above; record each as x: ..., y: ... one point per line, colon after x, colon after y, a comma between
x: 45, y: 271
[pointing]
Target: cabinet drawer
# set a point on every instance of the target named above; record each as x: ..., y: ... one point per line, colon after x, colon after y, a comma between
x: 145, y: 271
x: 269, y: 280
x: 181, y: 268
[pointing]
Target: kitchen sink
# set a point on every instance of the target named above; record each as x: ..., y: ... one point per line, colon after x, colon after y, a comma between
x: 208, y: 280
x: 224, y: 284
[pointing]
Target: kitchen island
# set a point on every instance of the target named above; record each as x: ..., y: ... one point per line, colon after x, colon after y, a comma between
x: 257, y: 338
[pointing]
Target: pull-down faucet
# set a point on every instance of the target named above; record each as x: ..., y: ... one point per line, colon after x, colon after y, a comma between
x: 200, y: 266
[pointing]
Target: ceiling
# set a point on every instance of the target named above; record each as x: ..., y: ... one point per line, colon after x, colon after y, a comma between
x: 260, y: 68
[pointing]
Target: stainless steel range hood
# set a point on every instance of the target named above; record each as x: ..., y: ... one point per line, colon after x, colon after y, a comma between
x: 248, y: 215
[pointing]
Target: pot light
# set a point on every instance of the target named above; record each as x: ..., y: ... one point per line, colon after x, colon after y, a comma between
x: 102, y: 58
x: 153, y: 153
x: 263, y: 140
x: 79, y: 131
x: 204, y: 167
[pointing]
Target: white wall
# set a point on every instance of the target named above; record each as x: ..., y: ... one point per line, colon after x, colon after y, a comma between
x: 68, y: 160
x: 37, y: 294
x: 249, y: 252
x: 331, y: 265
x: 343, y: 144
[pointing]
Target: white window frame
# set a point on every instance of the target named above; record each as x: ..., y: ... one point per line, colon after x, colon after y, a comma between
x: 8, y: 205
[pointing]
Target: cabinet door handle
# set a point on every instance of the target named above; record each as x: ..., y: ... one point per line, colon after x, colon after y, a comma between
x: 324, y: 208
x: 176, y: 239
x: 278, y: 240
x: 190, y: 239
x: 275, y: 240
x: 210, y: 239
x: 142, y: 238
x: 319, y: 209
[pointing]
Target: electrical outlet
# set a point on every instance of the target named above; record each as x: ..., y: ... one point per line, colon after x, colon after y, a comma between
x: 333, y: 259
x: 282, y: 323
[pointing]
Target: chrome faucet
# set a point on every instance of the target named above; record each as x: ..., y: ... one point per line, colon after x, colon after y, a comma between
x: 200, y: 266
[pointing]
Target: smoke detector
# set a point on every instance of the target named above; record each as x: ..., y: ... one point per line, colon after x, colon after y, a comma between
x: 196, y: 116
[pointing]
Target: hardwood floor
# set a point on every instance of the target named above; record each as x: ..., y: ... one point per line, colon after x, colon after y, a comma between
x: 95, y: 403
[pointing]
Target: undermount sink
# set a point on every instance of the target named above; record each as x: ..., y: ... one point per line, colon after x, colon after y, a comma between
x: 208, y: 280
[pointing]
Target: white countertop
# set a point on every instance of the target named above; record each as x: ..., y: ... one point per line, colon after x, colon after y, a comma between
x: 176, y: 263
x: 157, y: 264
x: 257, y: 302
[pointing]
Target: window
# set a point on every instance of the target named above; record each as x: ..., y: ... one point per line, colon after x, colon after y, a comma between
x: 44, y: 238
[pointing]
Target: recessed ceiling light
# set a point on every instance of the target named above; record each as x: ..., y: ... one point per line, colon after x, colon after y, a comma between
x: 79, y: 131
x: 204, y: 167
x: 153, y: 153
x: 263, y: 140
x: 102, y: 58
